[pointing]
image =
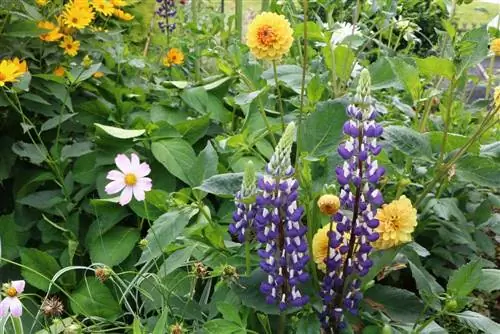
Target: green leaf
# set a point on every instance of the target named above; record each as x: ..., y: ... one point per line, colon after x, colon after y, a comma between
x: 42, y: 267
x: 194, y: 129
x: 309, y: 325
x: 250, y: 295
x: 408, y: 141
x: 229, y: 312
x: 32, y: 11
x: 400, y: 305
x: 8, y: 238
x: 176, y: 155
x: 478, y: 321
x: 478, y: 170
x: 290, y: 75
x: 76, y: 150
x: 161, y: 324
x: 465, y: 279
x: 427, y: 286
x: 315, y: 89
x: 84, y: 169
x: 454, y: 141
x: 196, y: 98
x: 433, y: 66
x: 119, y: 133
x: 114, y: 246
x: 226, y: 185
x: 490, y: 280
x: 383, y: 76
x: 176, y: 260
x: 55, y: 121
x: 35, y: 153
x: 322, y: 130
x: 42, y: 199
x: 7, y: 157
x: 93, y: 299
x: 381, y: 259
x: 221, y: 326
x: 107, y: 215
x: 344, y: 62
x: 473, y: 48
x: 314, y: 31
x: 165, y: 230
x: 205, y: 165
x: 408, y: 76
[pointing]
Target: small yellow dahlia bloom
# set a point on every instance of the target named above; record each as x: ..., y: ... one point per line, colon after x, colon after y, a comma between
x: 42, y: 3
x: 78, y: 14
x: 98, y: 74
x: 397, y: 222
x: 329, y: 204
x: 59, y: 71
x: 320, y: 244
x: 123, y: 15
x: 104, y: 7
x: 495, y: 46
x: 269, y: 36
x: 9, y: 72
x: 174, y: 56
x: 70, y: 46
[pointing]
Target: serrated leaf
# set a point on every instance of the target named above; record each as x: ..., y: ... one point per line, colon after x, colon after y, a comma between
x: 226, y: 185
x: 35, y: 153
x: 465, y: 279
x: 176, y: 155
x: 408, y: 141
x: 478, y: 321
x: 479, y: 170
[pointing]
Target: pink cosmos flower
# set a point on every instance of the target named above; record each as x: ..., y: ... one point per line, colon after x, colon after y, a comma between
x: 11, y: 303
x: 129, y: 179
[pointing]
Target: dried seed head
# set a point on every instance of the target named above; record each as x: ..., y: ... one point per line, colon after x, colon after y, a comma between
x: 229, y: 272
x: 52, y: 307
x: 200, y: 270
x: 103, y: 273
x: 176, y: 329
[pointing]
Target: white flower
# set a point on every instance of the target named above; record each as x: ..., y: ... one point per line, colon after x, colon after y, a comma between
x: 344, y: 30
x: 130, y: 179
x: 11, y: 302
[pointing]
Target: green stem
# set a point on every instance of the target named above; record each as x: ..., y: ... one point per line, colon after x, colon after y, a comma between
x: 446, y: 120
x: 247, y: 254
x: 278, y: 94
x: 197, y: 63
x: 265, y: 5
x: 302, y: 88
x: 282, y: 324
x: 17, y: 324
x: 491, y: 74
x: 238, y: 11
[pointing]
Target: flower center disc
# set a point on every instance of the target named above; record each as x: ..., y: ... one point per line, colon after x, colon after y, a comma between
x: 11, y: 292
x: 130, y: 179
x: 266, y: 35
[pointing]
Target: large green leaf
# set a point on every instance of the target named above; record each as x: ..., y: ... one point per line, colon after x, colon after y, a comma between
x: 42, y: 267
x: 55, y: 121
x: 434, y: 66
x: 408, y: 141
x: 454, y: 141
x: 290, y: 75
x: 408, y: 76
x: 165, y: 230
x: 479, y: 322
x: 176, y: 155
x: 479, y: 170
x: 114, y: 246
x: 8, y: 238
x: 465, y: 279
x: 92, y: 298
x: 176, y: 260
x: 427, y: 286
x: 222, y: 326
x: 35, y: 153
x: 226, y: 185
x: 490, y: 280
x: 205, y: 165
x: 383, y: 76
x: 322, y: 130
x: 44, y: 199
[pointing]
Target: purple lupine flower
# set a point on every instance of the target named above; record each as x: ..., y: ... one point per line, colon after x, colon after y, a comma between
x: 280, y: 231
x: 246, y: 208
x: 350, y: 242
x: 166, y: 11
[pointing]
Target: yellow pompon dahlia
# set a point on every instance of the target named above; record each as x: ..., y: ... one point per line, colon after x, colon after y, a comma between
x: 98, y: 74
x: 174, y: 56
x: 78, y: 14
x: 397, y: 222
x: 123, y: 15
x: 59, y: 71
x: 269, y: 36
x: 495, y: 46
x: 119, y: 3
x: 320, y: 244
x: 104, y: 7
x: 70, y: 46
x: 42, y: 3
x: 9, y: 72
x: 329, y: 204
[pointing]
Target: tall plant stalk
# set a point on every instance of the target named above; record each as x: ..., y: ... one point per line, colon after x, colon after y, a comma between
x: 265, y: 5
x: 197, y: 64
x: 278, y: 94
x: 238, y: 11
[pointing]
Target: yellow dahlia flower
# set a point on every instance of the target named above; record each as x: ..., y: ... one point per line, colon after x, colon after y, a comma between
x: 78, y: 14
x: 329, y: 204
x: 70, y: 46
x: 104, y: 7
x: 397, y: 221
x: 174, y: 56
x: 495, y: 46
x: 269, y: 36
x: 59, y: 71
x: 123, y: 15
x: 320, y: 244
x: 9, y: 72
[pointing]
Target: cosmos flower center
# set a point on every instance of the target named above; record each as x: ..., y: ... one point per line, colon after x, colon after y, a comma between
x: 11, y: 292
x: 130, y: 179
x: 266, y: 35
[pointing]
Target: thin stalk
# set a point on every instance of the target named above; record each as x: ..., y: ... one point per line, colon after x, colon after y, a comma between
x: 18, y: 326
x: 490, y: 76
x: 447, y: 120
x: 197, y: 63
x: 265, y: 5
x: 310, y: 236
x: 238, y: 11
x: 282, y: 323
x: 302, y: 86
x: 247, y: 254
x: 278, y: 94
x: 150, y: 32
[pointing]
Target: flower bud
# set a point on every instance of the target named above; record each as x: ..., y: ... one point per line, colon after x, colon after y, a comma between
x: 329, y: 204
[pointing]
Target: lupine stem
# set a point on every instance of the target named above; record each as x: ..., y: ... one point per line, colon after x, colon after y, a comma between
x: 282, y: 324
x: 247, y: 252
x: 278, y: 94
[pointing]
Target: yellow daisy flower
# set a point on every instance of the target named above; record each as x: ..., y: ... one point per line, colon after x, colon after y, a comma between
x: 495, y: 46
x: 123, y: 15
x: 46, y: 25
x: 119, y: 3
x: 53, y: 35
x: 59, y: 71
x: 269, y: 36
x: 98, y: 75
x: 174, y: 56
x: 9, y: 72
x: 42, y: 3
x: 104, y: 7
x: 77, y: 14
x: 22, y: 66
x: 397, y: 221
x: 329, y: 204
x: 70, y: 46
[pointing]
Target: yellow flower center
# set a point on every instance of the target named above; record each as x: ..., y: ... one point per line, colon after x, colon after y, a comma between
x: 11, y: 292
x: 69, y: 46
x: 393, y: 223
x: 74, y: 20
x: 266, y: 35
x: 130, y: 179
